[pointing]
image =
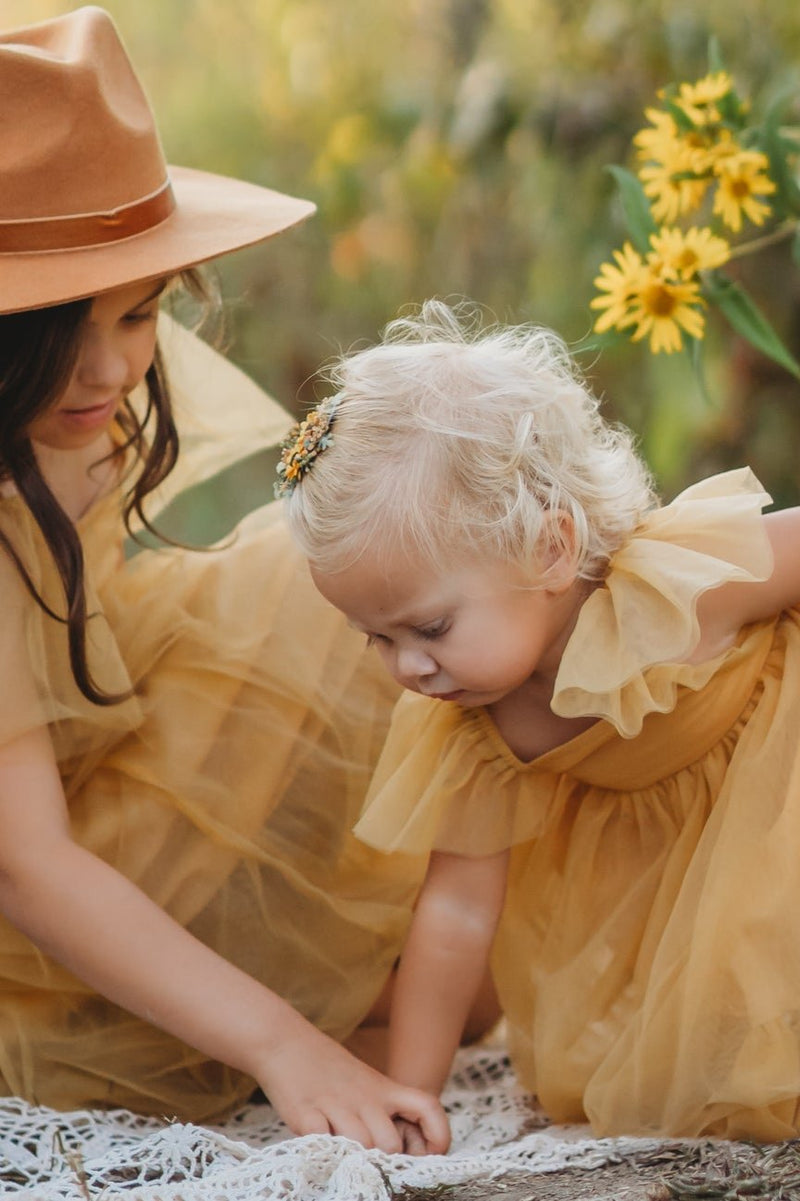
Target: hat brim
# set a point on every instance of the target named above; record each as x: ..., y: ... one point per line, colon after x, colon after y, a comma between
x: 213, y: 216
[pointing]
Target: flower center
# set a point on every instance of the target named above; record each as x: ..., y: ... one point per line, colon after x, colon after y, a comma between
x: 658, y: 300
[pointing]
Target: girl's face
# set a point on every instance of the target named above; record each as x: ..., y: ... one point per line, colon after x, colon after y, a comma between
x: 117, y: 347
x: 471, y: 634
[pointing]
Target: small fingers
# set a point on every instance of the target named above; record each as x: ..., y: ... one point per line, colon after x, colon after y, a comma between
x: 425, y: 1112
x: 373, y: 1128
x: 384, y: 1131
x: 412, y: 1137
x: 394, y: 1119
x: 349, y: 1124
x: 310, y: 1121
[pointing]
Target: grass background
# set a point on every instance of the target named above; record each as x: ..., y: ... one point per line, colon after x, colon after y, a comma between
x: 459, y: 148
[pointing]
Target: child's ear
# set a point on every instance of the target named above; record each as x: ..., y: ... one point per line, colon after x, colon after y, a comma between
x: 560, y: 558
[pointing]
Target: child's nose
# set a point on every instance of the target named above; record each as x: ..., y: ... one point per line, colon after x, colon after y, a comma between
x: 101, y: 364
x: 413, y: 662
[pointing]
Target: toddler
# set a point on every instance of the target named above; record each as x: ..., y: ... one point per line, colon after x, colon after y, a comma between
x: 598, y: 744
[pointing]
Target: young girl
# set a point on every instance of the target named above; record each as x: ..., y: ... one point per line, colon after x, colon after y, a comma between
x: 185, y: 737
x: 599, y: 744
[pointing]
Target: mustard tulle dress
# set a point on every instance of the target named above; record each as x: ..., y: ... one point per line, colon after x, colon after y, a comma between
x: 226, y: 789
x: 648, y: 958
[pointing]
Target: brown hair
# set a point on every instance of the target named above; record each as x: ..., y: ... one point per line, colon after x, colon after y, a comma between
x: 38, y: 352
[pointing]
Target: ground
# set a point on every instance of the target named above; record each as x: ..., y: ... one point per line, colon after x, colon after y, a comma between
x: 711, y: 1171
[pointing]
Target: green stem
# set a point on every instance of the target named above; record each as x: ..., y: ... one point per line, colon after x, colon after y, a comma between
x: 783, y: 231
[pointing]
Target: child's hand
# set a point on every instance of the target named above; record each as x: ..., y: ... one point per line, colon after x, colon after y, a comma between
x: 414, y: 1141
x: 318, y: 1087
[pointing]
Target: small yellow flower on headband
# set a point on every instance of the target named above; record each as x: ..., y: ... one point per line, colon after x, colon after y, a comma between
x: 303, y: 443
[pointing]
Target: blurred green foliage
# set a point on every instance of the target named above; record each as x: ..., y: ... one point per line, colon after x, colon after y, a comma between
x: 459, y: 148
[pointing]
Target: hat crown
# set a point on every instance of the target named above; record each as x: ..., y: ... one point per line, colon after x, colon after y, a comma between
x: 87, y: 202
x: 77, y: 134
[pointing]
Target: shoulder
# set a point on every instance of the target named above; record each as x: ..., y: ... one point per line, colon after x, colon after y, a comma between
x: 723, y: 612
x: 21, y: 549
x: 677, y: 593
x: 711, y: 556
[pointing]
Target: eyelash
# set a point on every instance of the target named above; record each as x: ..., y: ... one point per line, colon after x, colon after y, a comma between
x: 433, y: 632
x: 139, y: 318
x: 429, y: 635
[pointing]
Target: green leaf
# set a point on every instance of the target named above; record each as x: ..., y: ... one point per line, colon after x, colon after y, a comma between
x: 694, y: 350
x: 796, y: 248
x: 680, y: 117
x: 732, y: 111
x: 748, y: 320
x: 636, y: 208
x: 780, y: 151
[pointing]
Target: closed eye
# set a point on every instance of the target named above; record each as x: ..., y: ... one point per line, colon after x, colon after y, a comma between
x: 140, y: 317
x: 434, y: 631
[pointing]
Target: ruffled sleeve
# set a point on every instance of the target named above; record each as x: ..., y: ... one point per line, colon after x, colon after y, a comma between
x: 627, y: 654
x: 446, y: 781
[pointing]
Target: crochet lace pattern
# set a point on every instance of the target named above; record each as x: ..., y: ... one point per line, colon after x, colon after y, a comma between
x: 52, y: 1156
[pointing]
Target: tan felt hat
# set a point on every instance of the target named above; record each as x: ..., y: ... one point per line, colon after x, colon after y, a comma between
x: 87, y: 202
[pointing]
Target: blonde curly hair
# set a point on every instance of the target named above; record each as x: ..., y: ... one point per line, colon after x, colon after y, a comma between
x: 451, y: 441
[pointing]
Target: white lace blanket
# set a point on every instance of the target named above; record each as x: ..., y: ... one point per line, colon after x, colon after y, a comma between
x: 51, y: 1156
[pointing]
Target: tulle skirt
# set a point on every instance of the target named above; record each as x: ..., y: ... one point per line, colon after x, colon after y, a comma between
x: 230, y: 803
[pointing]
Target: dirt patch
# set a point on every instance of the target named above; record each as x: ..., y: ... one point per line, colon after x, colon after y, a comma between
x: 708, y: 1171
x: 616, y: 1182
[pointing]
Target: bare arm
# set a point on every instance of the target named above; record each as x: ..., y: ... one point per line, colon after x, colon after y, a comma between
x: 110, y: 934
x: 723, y: 611
x: 443, y: 964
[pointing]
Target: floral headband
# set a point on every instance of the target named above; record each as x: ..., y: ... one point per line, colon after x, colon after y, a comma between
x: 303, y: 443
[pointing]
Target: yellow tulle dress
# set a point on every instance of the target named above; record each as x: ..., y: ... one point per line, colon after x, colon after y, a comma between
x: 226, y: 788
x: 648, y: 957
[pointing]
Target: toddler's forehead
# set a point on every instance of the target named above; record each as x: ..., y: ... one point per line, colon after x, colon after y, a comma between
x: 401, y: 568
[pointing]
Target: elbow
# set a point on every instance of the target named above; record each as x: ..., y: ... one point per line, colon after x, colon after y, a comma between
x: 457, y: 928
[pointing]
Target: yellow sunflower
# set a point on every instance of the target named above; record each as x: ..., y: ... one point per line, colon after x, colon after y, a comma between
x: 719, y: 149
x: 699, y: 100
x: 620, y: 285
x: 683, y: 254
x: 741, y: 179
x: 639, y: 294
x: 671, y: 157
x: 670, y: 195
x: 699, y: 151
x: 662, y: 142
x: 662, y: 309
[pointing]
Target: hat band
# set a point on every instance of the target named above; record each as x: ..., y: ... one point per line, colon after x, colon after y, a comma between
x: 87, y: 229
